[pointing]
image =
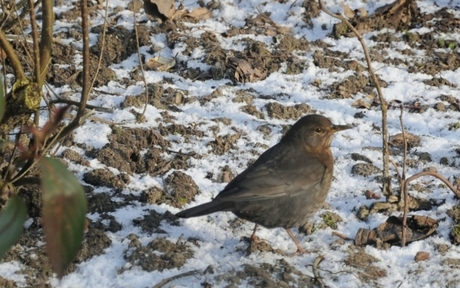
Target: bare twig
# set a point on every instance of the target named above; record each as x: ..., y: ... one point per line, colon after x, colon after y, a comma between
x: 340, y: 235
x: 50, y: 143
x: 106, y: 12
x: 13, y: 58
x: 436, y: 175
x: 172, y: 278
x: 46, y: 40
x: 86, y: 61
x: 318, y: 278
x: 71, y: 102
x: 387, y: 191
x: 141, y: 65
x: 403, y: 181
x: 33, y: 23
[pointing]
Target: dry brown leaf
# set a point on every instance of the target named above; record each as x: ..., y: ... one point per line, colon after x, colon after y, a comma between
x: 411, y: 140
x: 363, y: 12
x: 347, y: 11
x: 418, y: 228
x: 244, y: 72
x: 201, y: 13
x: 371, y: 195
x: 165, y: 7
x: 160, y: 63
x: 363, y: 103
x: 283, y: 29
x: 422, y: 256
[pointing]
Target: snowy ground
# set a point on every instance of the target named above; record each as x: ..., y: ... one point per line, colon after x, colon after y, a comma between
x: 217, y: 237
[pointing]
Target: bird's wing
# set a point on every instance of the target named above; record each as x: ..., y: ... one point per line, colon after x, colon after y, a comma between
x: 279, y: 172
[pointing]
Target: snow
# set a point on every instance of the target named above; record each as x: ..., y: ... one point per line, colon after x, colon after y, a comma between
x: 220, y: 246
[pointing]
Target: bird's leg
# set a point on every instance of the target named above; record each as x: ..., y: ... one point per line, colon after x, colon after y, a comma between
x: 254, y: 238
x: 300, y: 250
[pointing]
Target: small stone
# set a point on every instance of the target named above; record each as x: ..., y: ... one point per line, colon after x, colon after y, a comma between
x: 441, y: 107
x: 444, y: 161
x: 371, y: 195
x: 425, y: 157
x: 364, y: 169
x: 430, y: 169
x: 360, y: 157
x: 421, y: 256
x: 363, y: 212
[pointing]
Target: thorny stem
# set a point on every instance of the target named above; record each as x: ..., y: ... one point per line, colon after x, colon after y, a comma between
x: 387, y: 191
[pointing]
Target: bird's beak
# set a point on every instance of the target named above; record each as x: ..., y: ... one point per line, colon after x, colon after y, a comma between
x: 337, y: 128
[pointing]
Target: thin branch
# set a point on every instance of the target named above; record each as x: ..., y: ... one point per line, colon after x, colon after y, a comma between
x: 169, y: 279
x: 436, y: 175
x: 142, y: 66
x: 50, y: 143
x: 341, y: 236
x: 71, y: 102
x: 99, y: 63
x: 46, y: 41
x: 28, y: 181
x: 397, y: 171
x: 403, y: 180
x: 387, y: 191
x: 318, y: 278
x: 13, y: 57
x: 86, y: 61
x: 33, y: 23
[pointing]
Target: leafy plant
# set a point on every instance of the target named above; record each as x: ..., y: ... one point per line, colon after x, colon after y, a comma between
x: 64, y: 202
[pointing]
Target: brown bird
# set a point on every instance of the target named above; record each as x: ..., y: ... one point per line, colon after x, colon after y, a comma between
x: 286, y: 185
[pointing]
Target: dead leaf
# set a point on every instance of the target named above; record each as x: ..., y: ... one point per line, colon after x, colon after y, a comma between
x: 421, y: 256
x: 371, y: 195
x: 411, y: 140
x: 363, y: 103
x: 244, y: 71
x: 201, y: 13
x: 418, y: 228
x: 347, y: 11
x: 363, y: 12
x: 160, y: 63
x: 158, y: 8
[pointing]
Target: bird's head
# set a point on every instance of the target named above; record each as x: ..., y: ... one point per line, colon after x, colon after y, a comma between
x: 315, y: 131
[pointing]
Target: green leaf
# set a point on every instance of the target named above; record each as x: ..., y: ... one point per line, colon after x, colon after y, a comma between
x: 11, y: 223
x: 64, y: 210
x: 2, y: 100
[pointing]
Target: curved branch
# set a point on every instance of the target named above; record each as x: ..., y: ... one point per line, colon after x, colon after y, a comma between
x: 13, y: 57
x: 436, y: 175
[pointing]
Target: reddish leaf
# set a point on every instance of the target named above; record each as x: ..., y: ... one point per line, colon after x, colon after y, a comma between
x: 49, y: 127
x: 11, y: 223
x: 64, y: 210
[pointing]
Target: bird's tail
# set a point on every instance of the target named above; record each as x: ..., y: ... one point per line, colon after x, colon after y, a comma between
x: 205, y: 209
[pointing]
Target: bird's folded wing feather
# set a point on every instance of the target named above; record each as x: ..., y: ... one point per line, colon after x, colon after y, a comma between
x: 278, y: 176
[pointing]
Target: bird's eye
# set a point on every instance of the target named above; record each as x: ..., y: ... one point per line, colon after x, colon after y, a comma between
x: 319, y: 130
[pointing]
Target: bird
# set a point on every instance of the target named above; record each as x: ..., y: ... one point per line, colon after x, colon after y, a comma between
x: 286, y: 185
